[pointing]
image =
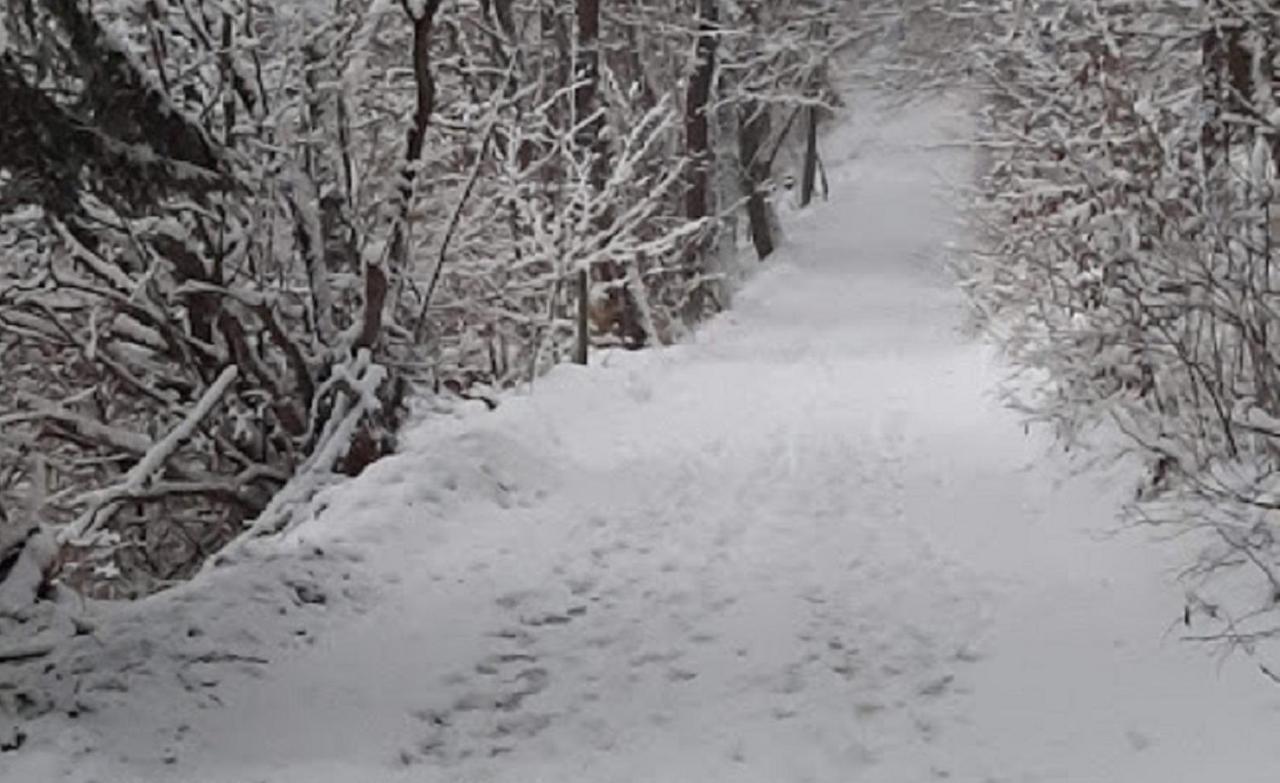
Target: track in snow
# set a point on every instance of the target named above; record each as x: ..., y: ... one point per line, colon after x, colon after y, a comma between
x: 808, y: 546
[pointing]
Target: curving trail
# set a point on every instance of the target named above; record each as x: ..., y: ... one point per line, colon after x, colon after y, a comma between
x: 808, y: 546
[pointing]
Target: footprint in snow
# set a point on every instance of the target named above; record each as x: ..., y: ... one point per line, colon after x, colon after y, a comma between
x: 937, y: 687
x: 654, y: 656
x: 542, y: 619
x: 581, y: 586
x: 1137, y: 740
x: 494, y: 664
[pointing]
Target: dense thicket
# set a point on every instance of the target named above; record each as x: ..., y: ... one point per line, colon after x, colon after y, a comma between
x: 1131, y: 206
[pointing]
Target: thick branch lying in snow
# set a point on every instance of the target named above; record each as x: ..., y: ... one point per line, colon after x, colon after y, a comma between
x: 82, y: 426
x: 102, y: 502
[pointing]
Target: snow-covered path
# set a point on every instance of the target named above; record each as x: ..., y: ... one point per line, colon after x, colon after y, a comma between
x: 810, y: 546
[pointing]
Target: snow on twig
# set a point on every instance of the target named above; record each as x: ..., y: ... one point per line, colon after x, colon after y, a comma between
x: 102, y: 502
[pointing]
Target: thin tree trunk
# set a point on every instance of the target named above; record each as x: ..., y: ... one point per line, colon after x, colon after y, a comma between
x: 753, y: 133
x: 586, y: 74
x: 697, y: 121
x: 809, y: 176
x: 697, y: 131
x: 375, y: 274
x: 813, y: 89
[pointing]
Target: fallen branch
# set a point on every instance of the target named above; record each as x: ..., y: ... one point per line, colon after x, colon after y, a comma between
x: 103, y: 502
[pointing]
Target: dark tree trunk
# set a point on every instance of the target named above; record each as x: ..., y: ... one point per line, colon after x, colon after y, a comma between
x: 809, y: 176
x: 1228, y: 83
x: 697, y: 122
x: 375, y: 275
x: 697, y: 131
x: 586, y: 74
x: 754, y: 129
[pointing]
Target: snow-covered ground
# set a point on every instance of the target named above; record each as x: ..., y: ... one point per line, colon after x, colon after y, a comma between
x: 808, y: 546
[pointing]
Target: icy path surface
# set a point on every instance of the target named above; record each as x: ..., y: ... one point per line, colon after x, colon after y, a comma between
x: 810, y: 546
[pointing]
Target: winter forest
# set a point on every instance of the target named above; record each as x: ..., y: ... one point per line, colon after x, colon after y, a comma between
x: 639, y: 390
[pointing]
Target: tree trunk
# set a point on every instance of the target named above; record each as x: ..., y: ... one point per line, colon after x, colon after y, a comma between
x: 375, y: 274
x: 697, y: 132
x: 753, y: 133
x: 697, y: 122
x: 809, y: 176
x: 586, y: 73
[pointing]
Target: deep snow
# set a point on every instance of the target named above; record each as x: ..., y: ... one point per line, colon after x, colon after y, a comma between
x: 808, y: 546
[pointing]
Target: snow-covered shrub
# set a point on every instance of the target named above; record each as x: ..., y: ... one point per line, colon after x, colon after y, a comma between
x: 1131, y: 267
x: 182, y: 314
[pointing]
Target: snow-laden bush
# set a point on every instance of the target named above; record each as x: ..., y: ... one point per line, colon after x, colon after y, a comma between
x: 178, y: 336
x: 1130, y: 209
